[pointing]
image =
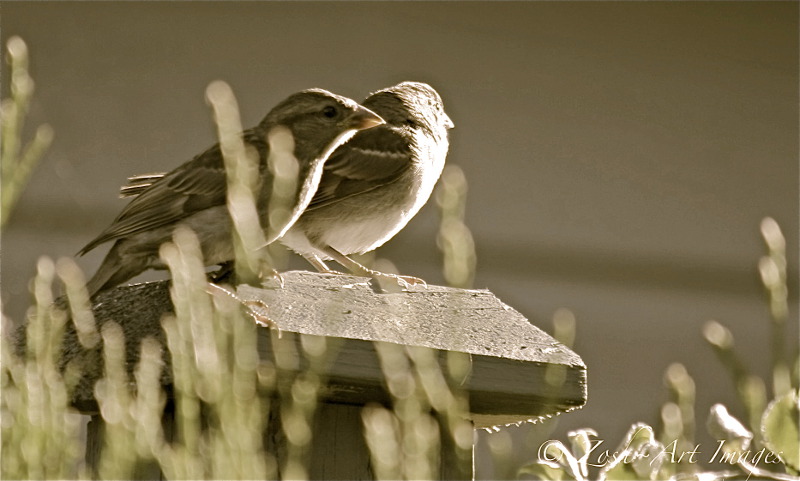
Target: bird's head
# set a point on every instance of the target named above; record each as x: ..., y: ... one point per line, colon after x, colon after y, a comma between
x: 413, y: 105
x: 319, y: 121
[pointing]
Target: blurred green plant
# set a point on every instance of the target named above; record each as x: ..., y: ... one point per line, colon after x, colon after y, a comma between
x: 17, y: 161
x: 769, y: 449
x: 507, y: 454
x: 224, y: 395
x: 425, y: 433
x: 215, y: 370
x: 454, y: 238
x: 39, y: 428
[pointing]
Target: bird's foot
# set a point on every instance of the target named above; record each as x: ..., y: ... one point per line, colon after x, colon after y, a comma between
x: 382, y: 278
x: 414, y: 281
x: 388, y: 281
x: 258, y: 309
x: 335, y: 273
x: 255, y: 308
x: 273, y: 275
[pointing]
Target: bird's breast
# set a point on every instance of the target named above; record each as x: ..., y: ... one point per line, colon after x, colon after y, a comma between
x: 366, y: 221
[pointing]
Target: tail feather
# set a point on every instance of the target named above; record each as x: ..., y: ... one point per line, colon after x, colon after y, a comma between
x: 138, y: 184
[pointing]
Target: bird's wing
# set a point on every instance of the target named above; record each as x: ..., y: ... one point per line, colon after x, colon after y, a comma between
x: 194, y: 186
x: 371, y: 159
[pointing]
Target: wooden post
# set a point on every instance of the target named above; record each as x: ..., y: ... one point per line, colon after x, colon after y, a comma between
x: 510, y: 358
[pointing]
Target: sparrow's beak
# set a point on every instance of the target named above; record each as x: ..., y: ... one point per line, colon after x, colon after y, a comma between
x: 448, y: 122
x: 364, y: 118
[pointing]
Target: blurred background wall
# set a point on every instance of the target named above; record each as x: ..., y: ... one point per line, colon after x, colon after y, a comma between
x: 620, y: 156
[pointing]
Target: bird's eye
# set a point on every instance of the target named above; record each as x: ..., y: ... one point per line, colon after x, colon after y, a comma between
x: 330, y: 112
x: 411, y: 123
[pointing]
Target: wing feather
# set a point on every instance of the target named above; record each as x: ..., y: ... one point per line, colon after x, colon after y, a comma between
x: 371, y: 159
x: 169, y: 198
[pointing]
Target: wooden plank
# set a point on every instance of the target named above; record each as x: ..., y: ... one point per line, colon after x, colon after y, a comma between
x: 339, y: 450
x: 510, y: 358
x: 94, y: 443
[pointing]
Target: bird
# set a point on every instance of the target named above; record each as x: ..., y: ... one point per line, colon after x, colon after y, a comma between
x: 307, y: 126
x: 376, y: 182
x: 372, y: 185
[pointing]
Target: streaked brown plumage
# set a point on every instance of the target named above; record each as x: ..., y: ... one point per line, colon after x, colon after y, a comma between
x: 194, y: 194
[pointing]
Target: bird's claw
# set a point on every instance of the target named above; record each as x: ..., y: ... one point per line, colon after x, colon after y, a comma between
x: 256, y: 308
x: 273, y: 275
x: 412, y: 281
x: 404, y: 282
x: 334, y: 272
